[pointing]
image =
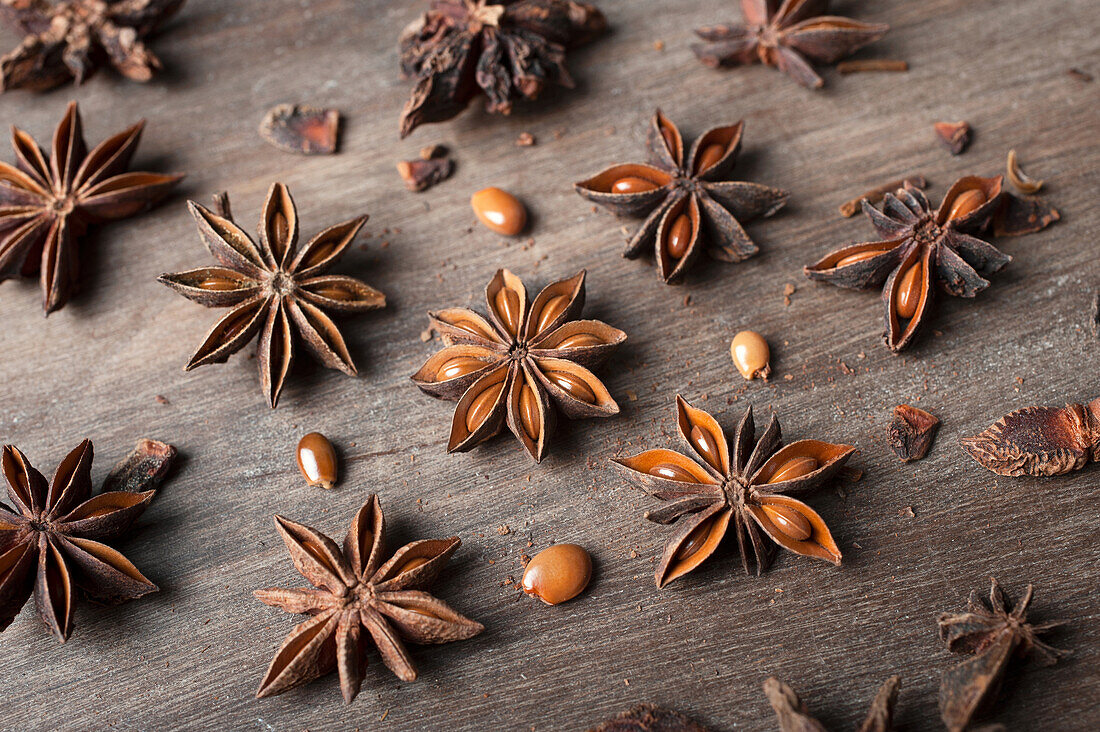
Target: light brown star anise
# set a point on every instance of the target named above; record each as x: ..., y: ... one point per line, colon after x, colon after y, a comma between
x: 47, y: 204
x: 70, y: 40
x: 749, y: 486
x: 356, y: 590
x: 528, y: 361
x: 275, y: 289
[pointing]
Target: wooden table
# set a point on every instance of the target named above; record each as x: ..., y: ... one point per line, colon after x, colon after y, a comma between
x: 192, y: 655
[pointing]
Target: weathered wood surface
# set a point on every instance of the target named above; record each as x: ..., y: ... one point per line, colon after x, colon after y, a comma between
x: 192, y: 655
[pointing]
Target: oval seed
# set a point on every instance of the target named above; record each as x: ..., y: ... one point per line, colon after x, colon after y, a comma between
x: 908, y: 293
x: 633, y: 184
x: 670, y: 139
x: 482, y: 405
x: 857, y: 257
x: 317, y: 460
x: 750, y: 354
x: 694, y: 541
x: 412, y: 564
x: 554, y: 307
x: 671, y: 471
x: 499, y: 211
x: 794, y: 468
x: 678, y: 236
x: 558, y: 573
x: 220, y: 284
x: 236, y: 324
x: 710, y: 155
x: 572, y: 385
x: 452, y: 368
x: 707, y: 447
x: 966, y: 203
x: 529, y: 412
x: 789, y: 521
x: 336, y: 292
x: 580, y: 340
x: 322, y: 252
x: 507, y: 305
x: 471, y: 326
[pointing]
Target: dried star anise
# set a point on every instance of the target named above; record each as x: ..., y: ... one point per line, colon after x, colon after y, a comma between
x: 358, y: 589
x: 793, y: 715
x: 276, y: 289
x: 788, y: 35
x: 46, y: 205
x: 51, y: 543
x: 528, y: 361
x: 750, y: 486
x: 505, y: 49
x: 1040, y: 440
x: 994, y: 633
x: 70, y: 40
x: 922, y: 247
x: 689, y: 203
x: 649, y: 718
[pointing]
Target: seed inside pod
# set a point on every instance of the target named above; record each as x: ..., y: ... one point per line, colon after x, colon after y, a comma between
x: 572, y: 385
x: 794, y: 468
x: 695, y: 540
x: 966, y: 203
x: 857, y: 257
x: 317, y: 460
x: 452, y: 368
x: 909, y: 290
x: 633, y: 184
x: 529, y: 412
x: 482, y: 405
x: 499, y: 211
x: 678, y: 236
x: 412, y: 564
x: 219, y: 284
x: 789, y: 521
x: 558, y: 573
x: 704, y: 442
x: 670, y: 138
x: 580, y: 340
x: 710, y: 155
x: 554, y: 307
x: 672, y: 472
x: 507, y: 303
x: 473, y: 327
x: 336, y: 292
x: 750, y: 354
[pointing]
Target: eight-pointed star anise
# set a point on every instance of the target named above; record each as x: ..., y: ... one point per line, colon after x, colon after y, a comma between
x: 505, y: 49
x: 750, y: 486
x: 71, y: 39
x: 358, y: 589
x: 522, y: 365
x: 276, y: 289
x: 46, y: 205
x: 787, y: 34
x: 690, y: 203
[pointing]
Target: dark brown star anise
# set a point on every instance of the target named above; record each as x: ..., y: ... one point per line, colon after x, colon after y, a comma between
x: 788, y: 35
x: 70, y: 40
x: 793, y: 715
x: 1039, y: 440
x: 358, y: 589
x: 51, y: 542
x: 750, y: 486
x: 47, y: 204
x: 528, y: 361
x: 505, y: 49
x: 921, y: 247
x: 275, y: 289
x: 687, y: 198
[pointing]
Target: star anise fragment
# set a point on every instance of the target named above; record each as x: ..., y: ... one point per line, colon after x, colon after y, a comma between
x: 994, y: 633
x: 277, y: 289
x: 47, y: 204
x: 71, y: 39
x: 51, y: 542
x: 791, y: 35
x: 687, y: 198
x: 921, y: 248
x: 746, y: 488
x: 793, y: 715
x: 649, y: 718
x: 525, y: 363
x: 1039, y: 440
x: 505, y: 49
x: 359, y: 594
x: 911, y: 432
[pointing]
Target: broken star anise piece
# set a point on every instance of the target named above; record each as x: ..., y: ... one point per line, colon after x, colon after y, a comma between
x: 277, y: 289
x: 51, y: 542
x: 788, y: 34
x: 1040, y: 440
x: 47, y: 204
x: 71, y: 39
x: 505, y: 49
x: 359, y: 594
x: 687, y: 198
x: 793, y: 715
x: 749, y: 485
x: 522, y: 365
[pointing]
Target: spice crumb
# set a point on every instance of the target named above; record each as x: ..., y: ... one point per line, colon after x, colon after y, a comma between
x: 658, y: 45
x: 525, y: 139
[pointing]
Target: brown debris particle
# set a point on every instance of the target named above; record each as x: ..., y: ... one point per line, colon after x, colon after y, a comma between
x: 525, y: 139
x: 1096, y: 315
x: 429, y: 152
x: 850, y: 208
x: 426, y: 335
x: 1080, y: 74
x: 298, y: 128
x: 955, y: 136
x: 503, y: 530
x: 434, y: 166
x: 872, y: 64
x: 788, y: 290
x: 658, y: 45
x: 161, y: 399
x: 907, y: 512
x: 911, y: 432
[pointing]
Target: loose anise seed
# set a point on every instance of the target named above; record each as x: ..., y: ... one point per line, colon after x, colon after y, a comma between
x: 529, y: 412
x: 789, y: 521
x: 794, y: 468
x: 678, y: 236
x: 750, y: 354
x: 558, y: 573
x: 909, y: 291
x: 317, y: 460
x: 572, y: 385
x: 671, y: 471
x: 507, y: 305
x: 452, y: 368
x: 219, y: 284
x: 482, y: 404
x: 633, y: 184
x: 967, y: 202
x: 710, y: 155
x: 708, y: 448
x: 857, y: 257
x: 554, y: 307
x: 694, y: 541
x: 580, y: 340
x: 499, y: 210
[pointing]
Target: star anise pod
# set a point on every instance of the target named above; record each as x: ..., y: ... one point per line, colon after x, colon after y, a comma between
x: 51, y: 542
x: 276, y: 289
x: 505, y: 49
x: 793, y: 715
x: 791, y: 35
x: 47, y: 204
x: 994, y: 633
x: 70, y: 40
x: 750, y: 486
x: 921, y: 247
x: 358, y: 589
x: 522, y: 365
x: 1039, y: 440
x: 688, y: 200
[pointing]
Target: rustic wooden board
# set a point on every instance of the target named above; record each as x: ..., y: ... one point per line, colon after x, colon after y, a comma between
x: 192, y: 655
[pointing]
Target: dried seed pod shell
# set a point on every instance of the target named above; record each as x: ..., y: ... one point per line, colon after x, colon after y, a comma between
x: 299, y: 128
x: 480, y: 411
x: 955, y: 136
x: 911, y: 432
x: 586, y: 342
x: 830, y: 460
x: 649, y: 718
x: 599, y: 189
x: 715, y: 520
x: 819, y: 544
x: 1039, y: 441
x: 728, y: 138
x: 1023, y: 182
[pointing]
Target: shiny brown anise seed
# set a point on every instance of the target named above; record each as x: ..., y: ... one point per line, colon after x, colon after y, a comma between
x: 580, y: 340
x: 572, y: 385
x: 529, y: 412
x: 219, y: 284
x: 794, y: 468
x: 909, y: 291
x: 750, y: 354
x: 633, y: 184
x: 483, y: 404
x: 678, y: 236
x: 789, y: 521
x: 499, y: 210
x: 473, y: 327
x: 708, y: 448
x: 672, y: 472
x: 412, y: 564
x: 317, y: 460
x: 857, y: 257
x: 336, y: 292
x: 558, y: 573
x: 507, y: 305
x: 967, y: 202
x: 694, y: 541
x: 554, y: 307
x: 710, y: 155
x: 452, y: 368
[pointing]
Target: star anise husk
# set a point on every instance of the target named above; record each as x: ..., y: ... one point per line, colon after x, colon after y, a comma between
x: 1039, y: 440
x: 921, y: 248
x: 48, y: 203
x: 794, y: 716
x: 507, y: 50
x: 649, y: 718
x: 790, y: 35
x: 747, y: 488
x: 522, y: 365
x: 358, y: 596
x: 688, y: 190
x: 70, y: 40
x: 51, y: 543
x: 276, y: 289
x: 995, y: 633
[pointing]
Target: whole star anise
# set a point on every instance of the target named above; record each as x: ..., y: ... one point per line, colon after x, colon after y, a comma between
x: 46, y: 205
x: 505, y: 49
x: 749, y: 486
x: 528, y: 361
x: 357, y: 589
x: 793, y: 715
x: 70, y: 40
x: 688, y: 200
x: 788, y: 35
x: 51, y: 542
x: 275, y: 289
x: 921, y: 247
